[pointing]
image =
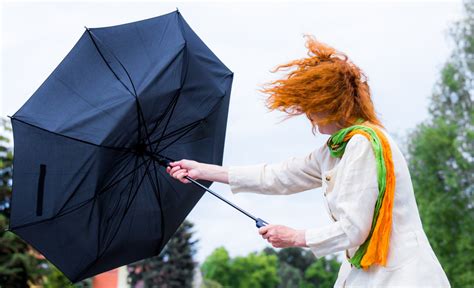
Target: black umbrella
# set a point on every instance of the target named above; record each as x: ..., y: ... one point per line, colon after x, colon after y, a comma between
x: 89, y: 189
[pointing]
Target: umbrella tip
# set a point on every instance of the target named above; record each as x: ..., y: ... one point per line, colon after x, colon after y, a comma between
x: 85, y: 27
x: 177, y: 10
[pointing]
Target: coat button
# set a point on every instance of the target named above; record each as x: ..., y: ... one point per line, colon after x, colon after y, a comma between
x: 328, y: 178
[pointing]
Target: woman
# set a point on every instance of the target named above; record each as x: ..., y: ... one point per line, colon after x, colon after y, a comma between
x: 364, y: 176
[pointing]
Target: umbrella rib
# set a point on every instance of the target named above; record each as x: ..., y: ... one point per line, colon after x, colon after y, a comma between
x: 75, y: 190
x: 162, y: 71
x: 175, y: 100
x: 176, y: 139
x: 144, y: 46
x: 120, y: 179
x: 120, y: 222
x: 184, y: 127
x: 135, y: 176
x: 52, y: 217
x: 160, y: 203
x: 195, y: 123
x: 167, y: 179
x: 121, y: 193
x: 75, y: 92
x: 92, y: 36
x: 166, y: 125
x: 73, y: 138
x: 141, y: 116
x: 77, y: 206
x: 168, y: 107
x: 134, y: 93
x: 132, y: 183
x: 179, y: 130
x: 185, y: 73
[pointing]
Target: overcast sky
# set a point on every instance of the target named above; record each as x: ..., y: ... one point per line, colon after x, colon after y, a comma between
x: 401, y: 46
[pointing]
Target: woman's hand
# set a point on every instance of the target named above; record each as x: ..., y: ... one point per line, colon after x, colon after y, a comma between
x: 184, y: 167
x: 281, y: 236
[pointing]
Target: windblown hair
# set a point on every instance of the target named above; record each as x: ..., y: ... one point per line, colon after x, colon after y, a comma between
x: 325, y: 82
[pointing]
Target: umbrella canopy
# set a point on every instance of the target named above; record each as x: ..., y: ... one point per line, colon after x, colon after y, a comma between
x: 88, y: 189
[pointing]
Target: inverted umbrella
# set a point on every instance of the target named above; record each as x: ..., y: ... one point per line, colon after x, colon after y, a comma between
x: 89, y: 189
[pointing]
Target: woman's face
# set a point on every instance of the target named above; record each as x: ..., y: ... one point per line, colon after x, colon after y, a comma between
x: 324, y: 129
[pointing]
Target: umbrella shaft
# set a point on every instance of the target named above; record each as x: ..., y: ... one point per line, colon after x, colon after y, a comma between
x: 165, y: 163
x: 222, y: 198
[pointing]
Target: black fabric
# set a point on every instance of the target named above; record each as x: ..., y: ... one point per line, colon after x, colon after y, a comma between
x: 122, y: 98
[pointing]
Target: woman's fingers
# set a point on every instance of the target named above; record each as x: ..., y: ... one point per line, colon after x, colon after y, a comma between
x: 175, y: 163
x: 276, y: 235
x: 176, y: 174
x: 173, y: 166
x: 180, y: 169
x: 176, y: 168
x: 264, y: 229
x: 181, y: 174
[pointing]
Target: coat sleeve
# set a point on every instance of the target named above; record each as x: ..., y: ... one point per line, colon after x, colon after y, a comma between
x: 357, y: 191
x: 295, y: 174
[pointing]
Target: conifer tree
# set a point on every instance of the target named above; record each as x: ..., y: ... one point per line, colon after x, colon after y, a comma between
x: 173, y: 267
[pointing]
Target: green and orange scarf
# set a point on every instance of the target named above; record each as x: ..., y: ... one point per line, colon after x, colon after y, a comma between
x: 375, y: 248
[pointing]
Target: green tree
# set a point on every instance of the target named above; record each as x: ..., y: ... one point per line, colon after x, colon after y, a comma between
x: 208, y: 283
x: 6, y: 167
x: 55, y: 278
x: 289, y: 275
x: 441, y: 159
x: 297, y: 257
x: 217, y: 266
x: 173, y: 267
x: 18, y: 267
x: 321, y: 274
x: 299, y: 268
x: 285, y: 268
x: 257, y: 270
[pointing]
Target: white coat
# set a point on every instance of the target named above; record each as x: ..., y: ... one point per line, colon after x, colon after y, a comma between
x: 350, y: 190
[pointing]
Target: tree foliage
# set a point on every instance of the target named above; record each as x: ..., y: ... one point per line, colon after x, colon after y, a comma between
x: 173, y: 267
x: 322, y: 273
x: 286, y: 268
x: 6, y: 167
x: 257, y: 270
x: 441, y: 159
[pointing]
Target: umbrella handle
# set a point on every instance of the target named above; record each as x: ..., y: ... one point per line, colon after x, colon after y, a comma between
x: 260, y: 223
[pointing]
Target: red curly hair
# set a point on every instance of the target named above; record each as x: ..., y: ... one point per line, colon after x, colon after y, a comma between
x: 325, y: 82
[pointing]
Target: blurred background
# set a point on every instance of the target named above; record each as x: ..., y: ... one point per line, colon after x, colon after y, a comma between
x: 418, y: 56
